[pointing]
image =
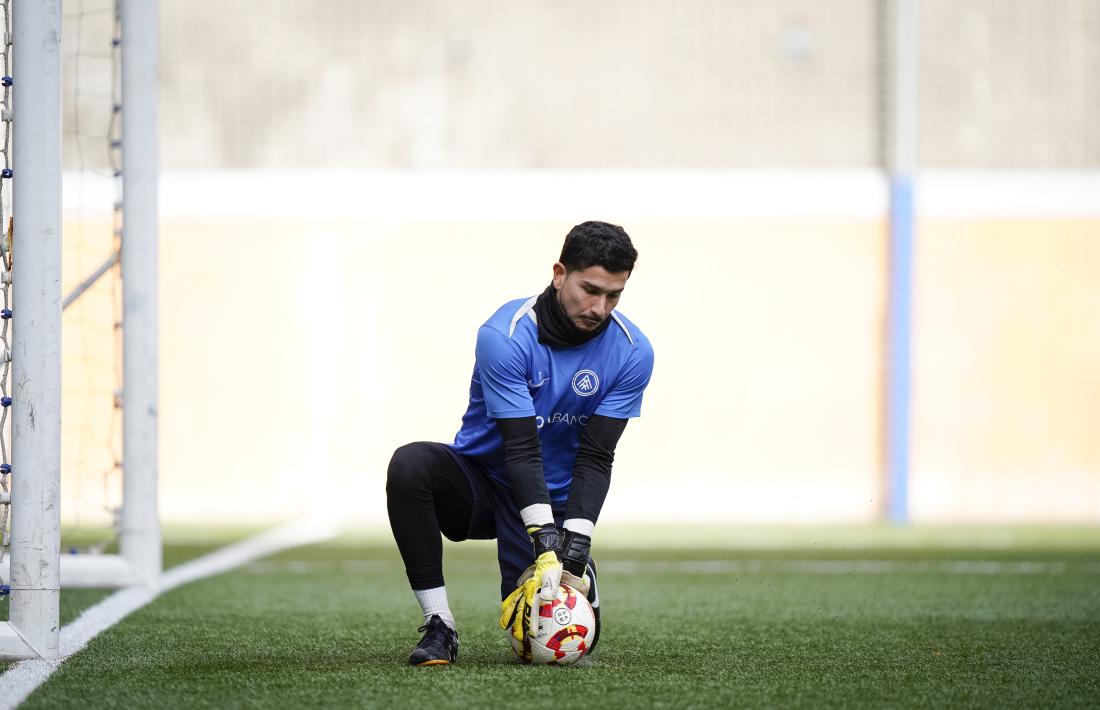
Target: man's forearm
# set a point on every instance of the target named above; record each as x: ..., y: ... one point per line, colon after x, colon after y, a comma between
x: 592, y: 472
x: 523, y: 456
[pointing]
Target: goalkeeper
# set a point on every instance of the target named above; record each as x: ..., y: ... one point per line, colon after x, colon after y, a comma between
x: 556, y: 378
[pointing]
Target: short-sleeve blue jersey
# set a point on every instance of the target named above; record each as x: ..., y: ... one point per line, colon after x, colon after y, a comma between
x: 517, y: 376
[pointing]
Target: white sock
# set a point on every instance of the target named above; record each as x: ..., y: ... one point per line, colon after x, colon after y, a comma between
x: 434, y: 602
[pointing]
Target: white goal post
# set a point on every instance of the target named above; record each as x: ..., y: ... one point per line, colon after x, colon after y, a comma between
x: 35, y: 543
x: 139, y: 537
x: 35, y: 569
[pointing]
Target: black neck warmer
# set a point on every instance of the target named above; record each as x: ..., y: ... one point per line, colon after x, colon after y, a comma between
x: 555, y: 328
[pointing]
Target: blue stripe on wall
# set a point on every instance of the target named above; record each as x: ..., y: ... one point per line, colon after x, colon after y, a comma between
x: 899, y: 329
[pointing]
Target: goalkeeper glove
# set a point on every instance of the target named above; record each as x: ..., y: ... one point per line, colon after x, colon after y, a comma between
x: 574, y: 552
x: 544, y: 582
x: 582, y: 584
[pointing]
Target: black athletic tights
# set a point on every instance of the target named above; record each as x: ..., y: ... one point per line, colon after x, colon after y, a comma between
x: 427, y: 493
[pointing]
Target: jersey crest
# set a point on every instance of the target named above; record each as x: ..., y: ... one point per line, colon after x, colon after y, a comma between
x: 586, y: 383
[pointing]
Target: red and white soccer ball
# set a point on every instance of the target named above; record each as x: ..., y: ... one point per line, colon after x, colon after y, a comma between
x: 566, y: 627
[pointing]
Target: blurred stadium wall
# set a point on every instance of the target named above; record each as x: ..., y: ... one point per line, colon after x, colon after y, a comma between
x: 351, y: 187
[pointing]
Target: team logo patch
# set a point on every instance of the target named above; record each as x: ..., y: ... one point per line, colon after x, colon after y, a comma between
x: 562, y: 616
x: 585, y: 383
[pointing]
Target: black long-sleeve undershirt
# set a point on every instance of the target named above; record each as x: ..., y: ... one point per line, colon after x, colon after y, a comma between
x: 523, y: 456
x: 591, y: 470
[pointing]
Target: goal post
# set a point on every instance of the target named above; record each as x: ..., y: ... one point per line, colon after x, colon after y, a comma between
x: 34, y: 567
x: 35, y: 543
x: 139, y: 539
x: 139, y: 560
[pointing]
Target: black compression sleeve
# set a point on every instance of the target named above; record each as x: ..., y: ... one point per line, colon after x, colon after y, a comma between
x: 592, y: 469
x: 523, y: 456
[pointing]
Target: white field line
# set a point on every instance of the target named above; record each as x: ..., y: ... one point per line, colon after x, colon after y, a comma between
x: 972, y: 567
x: 25, y: 676
x: 866, y: 567
x: 281, y: 567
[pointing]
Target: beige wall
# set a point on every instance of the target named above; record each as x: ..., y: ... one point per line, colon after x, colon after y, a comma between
x: 297, y: 353
x: 503, y: 84
x: 327, y: 345
x: 1006, y: 383
x: 500, y: 84
x: 1010, y: 83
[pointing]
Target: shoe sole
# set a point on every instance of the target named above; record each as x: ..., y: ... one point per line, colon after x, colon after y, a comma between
x: 437, y: 662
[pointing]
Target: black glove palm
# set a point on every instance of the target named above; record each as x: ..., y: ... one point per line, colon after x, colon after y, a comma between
x: 545, y: 539
x: 574, y: 552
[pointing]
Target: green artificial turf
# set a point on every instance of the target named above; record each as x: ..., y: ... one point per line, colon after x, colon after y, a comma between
x: 904, y: 625
x: 184, y: 545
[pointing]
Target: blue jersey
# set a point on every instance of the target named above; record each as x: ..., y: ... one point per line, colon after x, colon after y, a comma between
x: 517, y: 376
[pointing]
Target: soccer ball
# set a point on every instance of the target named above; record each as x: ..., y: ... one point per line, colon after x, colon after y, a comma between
x: 566, y: 627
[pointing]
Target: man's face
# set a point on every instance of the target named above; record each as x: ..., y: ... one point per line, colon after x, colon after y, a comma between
x: 588, y: 295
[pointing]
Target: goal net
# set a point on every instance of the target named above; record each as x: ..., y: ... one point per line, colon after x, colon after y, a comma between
x: 106, y: 534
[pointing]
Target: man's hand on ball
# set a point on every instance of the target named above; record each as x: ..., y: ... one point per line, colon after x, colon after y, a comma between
x: 581, y: 584
x: 539, y: 582
x: 547, y: 576
x: 575, y: 547
x: 514, y: 610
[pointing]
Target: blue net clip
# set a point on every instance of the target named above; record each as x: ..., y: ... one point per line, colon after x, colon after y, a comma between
x: 5, y: 313
x: 5, y: 401
x: 7, y: 173
x: 7, y: 81
x: 5, y: 590
x: 5, y: 468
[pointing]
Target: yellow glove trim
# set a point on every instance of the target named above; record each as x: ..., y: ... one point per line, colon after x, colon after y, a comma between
x: 514, y: 610
x: 519, y: 612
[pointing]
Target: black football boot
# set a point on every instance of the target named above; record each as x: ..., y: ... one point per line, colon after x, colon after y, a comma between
x: 439, y: 645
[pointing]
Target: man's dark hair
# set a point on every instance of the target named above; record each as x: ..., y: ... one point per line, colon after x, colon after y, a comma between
x: 598, y: 244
